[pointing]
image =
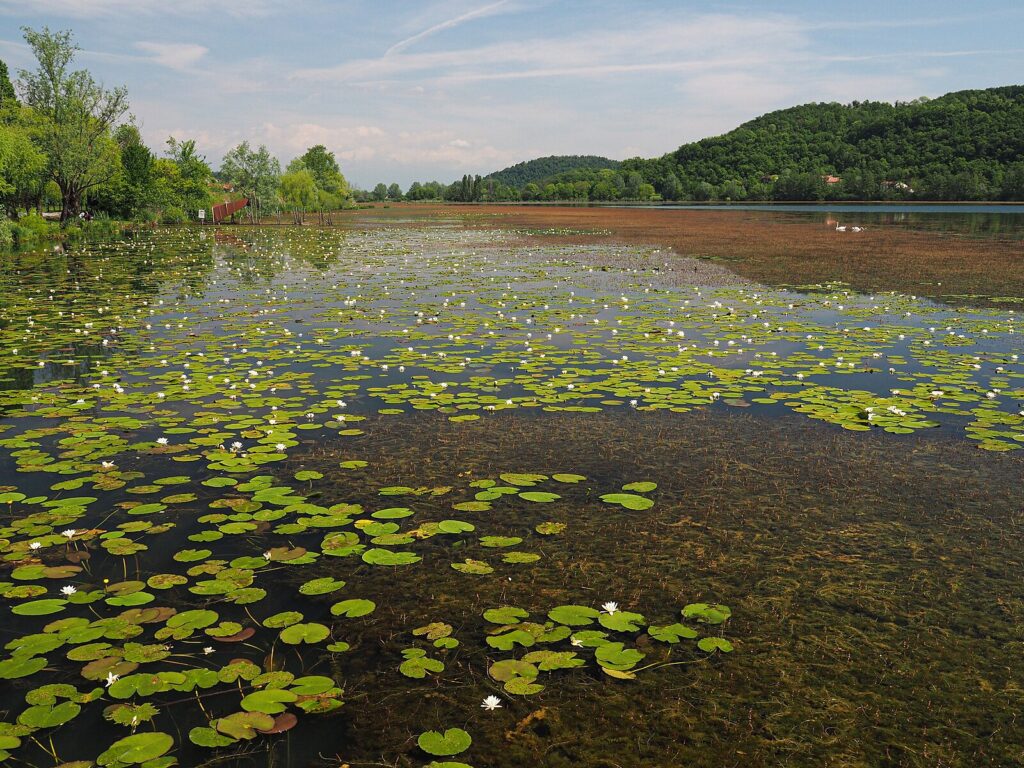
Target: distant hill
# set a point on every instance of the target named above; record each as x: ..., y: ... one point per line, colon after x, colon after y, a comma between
x: 521, y: 174
x: 962, y: 146
x: 967, y: 145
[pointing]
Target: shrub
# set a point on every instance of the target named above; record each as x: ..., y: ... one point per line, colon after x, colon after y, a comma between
x: 32, y: 228
x: 6, y: 234
x: 173, y: 216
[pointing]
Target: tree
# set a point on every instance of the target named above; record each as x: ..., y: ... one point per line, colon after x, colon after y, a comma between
x: 254, y: 173
x: 394, y: 192
x: 22, y: 170
x: 7, y: 94
x: 1013, y: 183
x: 671, y: 189
x: 380, y: 192
x: 193, y: 190
x: 299, y: 191
x: 324, y: 167
x: 75, y: 115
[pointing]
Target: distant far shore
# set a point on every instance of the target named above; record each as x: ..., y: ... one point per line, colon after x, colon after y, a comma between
x: 697, y: 203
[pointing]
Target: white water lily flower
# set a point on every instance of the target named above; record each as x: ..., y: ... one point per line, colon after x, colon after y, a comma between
x: 35, y: 545
x: 70, y: 533
x: 208, y: 650
x: 162, y: 440
x: 68, y: 590
x: 280, y: 446
x: 491, y: 703
x: 610, y: 607
x: 111, y: 679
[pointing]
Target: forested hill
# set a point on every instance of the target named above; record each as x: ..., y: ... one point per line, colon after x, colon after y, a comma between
x: 964, y: 145
x: 521, y: 174
x: 967, y: 145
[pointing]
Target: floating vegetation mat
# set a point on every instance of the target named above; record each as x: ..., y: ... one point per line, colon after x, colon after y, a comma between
x: 435, y: 497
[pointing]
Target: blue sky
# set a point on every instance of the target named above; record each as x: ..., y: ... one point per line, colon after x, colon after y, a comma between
x: 421, y: 90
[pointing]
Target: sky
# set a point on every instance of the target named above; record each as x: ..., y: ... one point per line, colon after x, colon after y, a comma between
x: 403, y: 91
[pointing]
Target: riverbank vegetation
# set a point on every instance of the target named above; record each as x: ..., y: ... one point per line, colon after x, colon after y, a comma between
x: 72, y: 160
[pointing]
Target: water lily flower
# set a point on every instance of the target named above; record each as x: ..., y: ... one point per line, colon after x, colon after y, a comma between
x: 266, y: 555
x: 35, y: 545
x: 576, y: 642
x: 208, y: 650
x: 491, y: 703
x: 610, y: 608
x: 68, y: 590
x: 280, y: 446
x: 111, y: 679
x: 162, y: 440
x: 70, y: 533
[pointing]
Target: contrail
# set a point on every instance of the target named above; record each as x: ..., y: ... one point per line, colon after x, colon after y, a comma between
x: 403, y: 44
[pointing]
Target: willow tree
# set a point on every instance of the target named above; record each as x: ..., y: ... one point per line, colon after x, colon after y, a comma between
x: 75, y: 116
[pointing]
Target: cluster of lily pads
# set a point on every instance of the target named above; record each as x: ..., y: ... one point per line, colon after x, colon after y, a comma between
x: 201, y: 613
x: 319, y: 330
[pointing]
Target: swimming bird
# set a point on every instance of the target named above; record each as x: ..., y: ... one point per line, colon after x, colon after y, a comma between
x: 840, y: 228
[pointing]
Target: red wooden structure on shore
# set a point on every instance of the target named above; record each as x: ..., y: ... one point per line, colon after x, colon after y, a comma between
x: 222, y: 210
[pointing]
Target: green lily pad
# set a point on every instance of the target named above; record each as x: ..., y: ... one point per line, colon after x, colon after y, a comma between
x: 270, y: 701
x: 451, y: 742
x: 628, y: 500
x: 304, y: 633
x: 136, y: 749
x: 353, y: 608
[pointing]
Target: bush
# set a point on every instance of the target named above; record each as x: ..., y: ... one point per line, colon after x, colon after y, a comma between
x: 32, y: 229
x: 173, y: 216
x: 6, y: 234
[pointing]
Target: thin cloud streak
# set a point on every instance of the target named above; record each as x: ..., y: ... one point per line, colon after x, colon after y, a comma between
x: 448, y: 24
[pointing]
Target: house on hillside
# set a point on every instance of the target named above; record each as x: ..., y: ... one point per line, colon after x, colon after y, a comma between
x: 830, y: 179
x: 899, y: 186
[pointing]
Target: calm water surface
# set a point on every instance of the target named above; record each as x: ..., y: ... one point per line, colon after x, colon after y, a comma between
x: 291, y: 474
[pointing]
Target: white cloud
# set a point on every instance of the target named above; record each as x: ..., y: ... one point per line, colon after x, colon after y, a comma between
x: 180, y: 56
x: 652, y: 46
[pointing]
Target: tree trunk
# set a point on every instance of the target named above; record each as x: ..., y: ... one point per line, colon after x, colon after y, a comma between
x: 71, y: 202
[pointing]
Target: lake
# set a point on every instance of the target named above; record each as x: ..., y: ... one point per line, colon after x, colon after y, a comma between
x: 673, y: 487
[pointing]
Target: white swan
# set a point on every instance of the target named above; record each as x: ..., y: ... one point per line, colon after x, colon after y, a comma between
x: 840, y: 228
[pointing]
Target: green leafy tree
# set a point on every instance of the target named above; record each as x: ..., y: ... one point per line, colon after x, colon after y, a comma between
x: 254, y: 173
x: 1013, y: 182
x: 394, y: 192
x: 380, y: 192
x: 324, y: 167
x: 75, y: 116
x: 299, y: 192
x: 7, y: 94
x: 22, y: 170
x: 194, y: 173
